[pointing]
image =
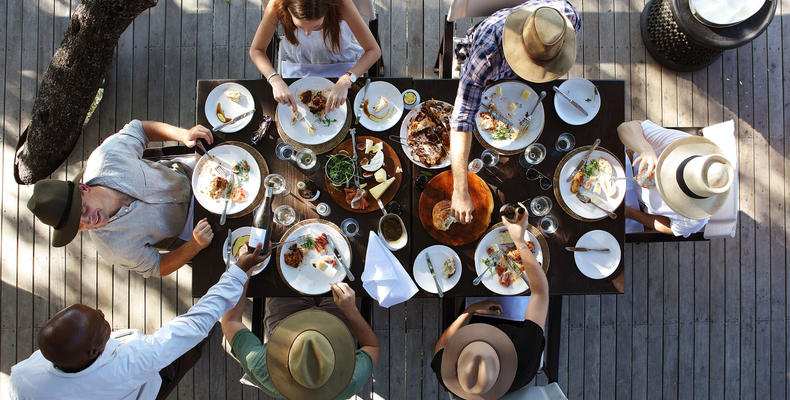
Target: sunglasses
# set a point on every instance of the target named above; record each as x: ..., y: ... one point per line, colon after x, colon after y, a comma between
x: 535, y: 175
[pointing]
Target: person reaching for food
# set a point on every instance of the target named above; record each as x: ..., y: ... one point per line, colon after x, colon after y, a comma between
x: 131, y: 207
x: 692, y: 179
x: 487, y: 358
x: 326, y: 38
x: 535, y: 41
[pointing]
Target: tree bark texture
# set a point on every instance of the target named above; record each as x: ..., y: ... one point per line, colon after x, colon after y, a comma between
x: 70, y: 84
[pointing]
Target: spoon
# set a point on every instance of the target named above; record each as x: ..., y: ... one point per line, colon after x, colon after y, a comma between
x: 586, y: 200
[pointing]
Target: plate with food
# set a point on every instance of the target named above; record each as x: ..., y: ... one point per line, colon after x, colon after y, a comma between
x: 600, y: 179
x: 435, y: 215
x: 381, y: 108
x: 211, y: 186
x: 597, y: 264
x: 509, y: 101
x: 497, y: 253
x: 309, y: 265
x: 585, y: 94
x: 425, y: 134
x: 228, y: 101
x: 446, y: 265
x: 380, y: 174
x: 311, y: 125
x: 239, y: 238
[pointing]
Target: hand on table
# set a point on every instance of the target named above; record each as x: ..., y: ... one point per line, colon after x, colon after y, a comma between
x: 485, y: 307
x: 282, y: 93
x: 462, y: 207
x: 191, y: 136
x: 344, y: 297
x: 202, y: 234
x: 248, y: 260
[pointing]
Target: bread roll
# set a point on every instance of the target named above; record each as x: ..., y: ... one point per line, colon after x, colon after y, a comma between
x: 442, y: 218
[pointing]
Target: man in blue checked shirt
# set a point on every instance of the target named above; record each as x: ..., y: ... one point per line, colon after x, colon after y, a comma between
x: 535, y: 41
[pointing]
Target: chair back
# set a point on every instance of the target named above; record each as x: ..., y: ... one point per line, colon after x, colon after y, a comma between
x: 477, y: 8
x: 366, y: 8
x: 551, y: 391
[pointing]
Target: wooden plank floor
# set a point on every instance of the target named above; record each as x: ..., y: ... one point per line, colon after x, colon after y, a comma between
x: 702, y: 320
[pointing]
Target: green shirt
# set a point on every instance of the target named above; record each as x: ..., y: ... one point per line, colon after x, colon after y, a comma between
x: 251, y: 353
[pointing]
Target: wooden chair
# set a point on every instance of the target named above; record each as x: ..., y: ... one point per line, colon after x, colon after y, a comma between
x: 459, y: 9
x: 727, y: 216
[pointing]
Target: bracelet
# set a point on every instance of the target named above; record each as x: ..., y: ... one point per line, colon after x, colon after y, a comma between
x: 272, y: 75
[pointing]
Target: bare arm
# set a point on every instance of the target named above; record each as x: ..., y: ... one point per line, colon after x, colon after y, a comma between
x: 263, y: 36
x: 363, y: 35
x: 345, y: 299
x: 481, y: 307
x: 633, y: 137
x: 231, y: 321
x: 160, y: 131
x: 201, y: 238
x: 462, y: 207
x: 658, y: 223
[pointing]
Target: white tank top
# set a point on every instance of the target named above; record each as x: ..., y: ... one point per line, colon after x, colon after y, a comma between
x: 313, y: 57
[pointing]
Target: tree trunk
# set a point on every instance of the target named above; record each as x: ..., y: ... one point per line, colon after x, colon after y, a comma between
x: 70, y: 84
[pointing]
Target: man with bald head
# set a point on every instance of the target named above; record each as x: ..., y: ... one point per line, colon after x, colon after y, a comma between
x: 80, y: 357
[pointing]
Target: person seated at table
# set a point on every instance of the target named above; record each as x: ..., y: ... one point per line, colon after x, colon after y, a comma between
x: 325, y: 38
x: 487, y: 359
x: 692, y: 177
x: 131, y: 207
x: 310, y: 352
x: 80, y: 357
x: 535, y: 41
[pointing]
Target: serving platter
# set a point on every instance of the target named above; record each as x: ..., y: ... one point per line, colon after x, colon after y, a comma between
x: 306, y: 279
x: 568, y: 200
x: 513, y: 92
x: 404, y: 135
x: 491, y: 280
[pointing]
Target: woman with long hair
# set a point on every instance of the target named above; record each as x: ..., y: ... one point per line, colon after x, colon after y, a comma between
x: 325, y: 38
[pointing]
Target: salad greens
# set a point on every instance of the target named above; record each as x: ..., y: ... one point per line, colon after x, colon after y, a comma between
x: 340, y: 170
x: 308, y: 243
x: 591, y: 168
x: 502, y: 132
x: 324, y: 119
x: 242, y: 170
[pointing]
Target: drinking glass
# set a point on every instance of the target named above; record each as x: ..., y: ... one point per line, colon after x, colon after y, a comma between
x: 277, y: 182
x: 284, y: 215
x: 533, y: 155
x: 306, y: 159
x: 489, y: 157
x: 284, y: 151
x: 534, y: 175
x: 540, y: 206
x: 548, y: 224
x: 475, y: 165
x: 350, y: 227
x: 323, y: 209
x: 565, y: 142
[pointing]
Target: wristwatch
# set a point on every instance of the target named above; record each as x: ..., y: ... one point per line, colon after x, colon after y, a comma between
x: 351, y: 76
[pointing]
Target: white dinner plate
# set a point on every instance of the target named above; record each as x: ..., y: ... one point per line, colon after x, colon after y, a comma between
x: 404, y: 134
x: 583, y: 92
x: 230, y: 108
x: 511, y: 94
x: 204, y: 173
x: 298, y: 131
x: 237, y: 233
x: 306, y: 278
x: 376, y: 90
x: 589, y: 211
x: 491, y: 280
x: 596, y: 264
x: 439, y: 254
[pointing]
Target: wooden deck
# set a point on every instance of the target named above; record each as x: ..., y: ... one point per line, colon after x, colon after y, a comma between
x: 698, y: 319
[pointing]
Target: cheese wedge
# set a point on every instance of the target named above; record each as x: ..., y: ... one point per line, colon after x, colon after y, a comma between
x: 379, y: 189
x: 368, y: 144
x: 512, y: 106
x: 499, y: 91
x: 381, y: 105
x: 398, y: 170
x: 374, y: 148
x: 380, y: 175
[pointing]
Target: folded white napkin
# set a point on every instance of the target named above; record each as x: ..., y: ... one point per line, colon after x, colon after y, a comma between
x: 384, y: 278
x: 724, y: 222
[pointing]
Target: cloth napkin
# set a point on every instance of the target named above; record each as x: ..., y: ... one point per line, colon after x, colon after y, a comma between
x: 724, y: 222
x: 384, y: 278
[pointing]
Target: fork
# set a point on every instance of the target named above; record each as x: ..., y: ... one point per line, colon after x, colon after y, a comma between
x: 528, y: 118
x: 227, y: 200
x: 221, y: 170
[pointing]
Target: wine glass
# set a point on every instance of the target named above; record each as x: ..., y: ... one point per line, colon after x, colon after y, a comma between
x: 548, y: 224
x: 540, y: 205
x: 490, y: 158
x: 277, y: 182
x: 284, y: 215
x: 306, y: 159
x: 533, y: 155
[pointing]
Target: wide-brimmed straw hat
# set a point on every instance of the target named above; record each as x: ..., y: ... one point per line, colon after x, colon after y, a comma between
x: 539, y: 43
x: 311, y: 355
x: 479, y: 362
x: 694, y: 177
x: 58, y: 204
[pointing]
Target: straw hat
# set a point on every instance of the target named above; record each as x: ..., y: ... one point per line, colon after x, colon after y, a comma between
x: 479, y: 362
x: 693, y: 177
x: 58, y: 204
x: 311, y: 355
x: 539, y: 43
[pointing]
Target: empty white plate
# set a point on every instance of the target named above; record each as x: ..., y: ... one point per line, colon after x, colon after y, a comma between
x: 596, y: 264
x: 583, y: 92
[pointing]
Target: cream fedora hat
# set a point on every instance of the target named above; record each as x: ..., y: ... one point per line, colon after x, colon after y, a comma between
x: 539, y: 43
x: 693, y: 177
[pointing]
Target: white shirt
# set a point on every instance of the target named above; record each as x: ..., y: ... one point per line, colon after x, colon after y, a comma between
x: 315, y: 57
x: 660, y: 138
x: 128, y: 368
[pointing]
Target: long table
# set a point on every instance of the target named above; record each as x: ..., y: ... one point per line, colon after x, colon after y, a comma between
x: 507, y: 184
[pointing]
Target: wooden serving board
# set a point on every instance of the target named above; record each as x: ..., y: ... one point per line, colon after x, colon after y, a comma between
x: 441, y: 188
x: 391, y: 164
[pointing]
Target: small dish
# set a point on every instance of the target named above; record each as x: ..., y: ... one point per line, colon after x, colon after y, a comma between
x: 408, y: 105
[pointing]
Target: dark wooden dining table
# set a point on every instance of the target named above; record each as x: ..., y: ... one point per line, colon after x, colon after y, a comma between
x: 507, y: 182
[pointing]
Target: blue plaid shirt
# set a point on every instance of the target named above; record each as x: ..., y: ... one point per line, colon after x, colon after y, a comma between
x: 486, y: 61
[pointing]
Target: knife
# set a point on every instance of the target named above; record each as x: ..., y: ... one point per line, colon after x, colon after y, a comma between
x: 499, y: 116
x: 586, y: 249
x: 362, y: 101
x: 573, y: 103
x: 237, y: 118
x: 229, y: 251
x: 433, y: 274
x: 340, y: 259
x: 302, y: 117
x: 512, y: 265
x: 584, y: 161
